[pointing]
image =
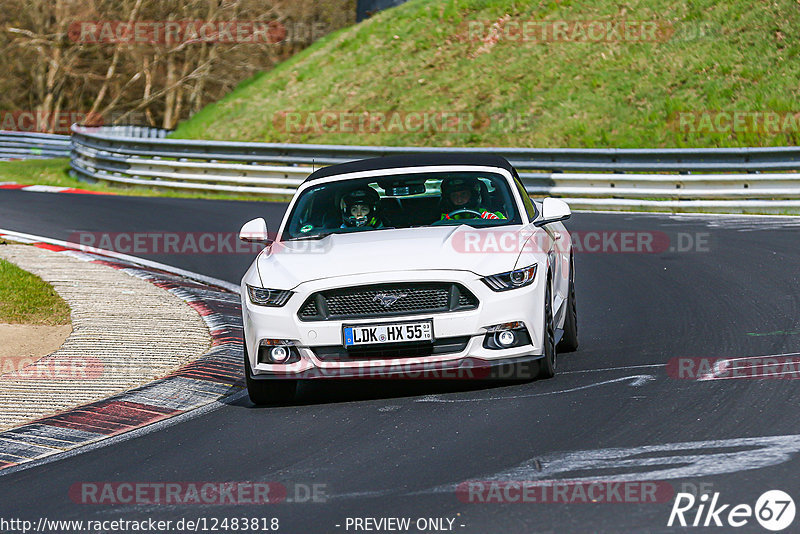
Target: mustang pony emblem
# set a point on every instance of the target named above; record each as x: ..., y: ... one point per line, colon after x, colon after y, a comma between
x: 386, y: 300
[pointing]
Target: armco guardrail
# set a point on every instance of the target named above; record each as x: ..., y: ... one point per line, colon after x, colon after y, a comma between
x: 728, y: 180
x: 33, y: 145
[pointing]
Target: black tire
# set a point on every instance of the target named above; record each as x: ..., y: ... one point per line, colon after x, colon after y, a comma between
x: 263, y: 392
x: 547, y: 365
x: 569, y: 341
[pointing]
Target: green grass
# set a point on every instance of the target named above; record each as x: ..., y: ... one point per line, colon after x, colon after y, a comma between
x: 27, y: 299
x: 55, y: 172
x: 723, y: 56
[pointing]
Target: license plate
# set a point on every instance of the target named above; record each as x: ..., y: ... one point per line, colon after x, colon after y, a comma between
x: 388, y: 333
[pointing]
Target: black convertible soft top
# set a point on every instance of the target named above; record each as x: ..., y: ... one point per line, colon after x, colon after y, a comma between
x: 412, y: 160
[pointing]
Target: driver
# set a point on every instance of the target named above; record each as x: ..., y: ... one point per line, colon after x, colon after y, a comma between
x: 464, y: 194
x: 360, y: 207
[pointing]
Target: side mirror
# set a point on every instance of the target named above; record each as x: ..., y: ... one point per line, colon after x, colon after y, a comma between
x: 553, y: 210
x: 255, y: 231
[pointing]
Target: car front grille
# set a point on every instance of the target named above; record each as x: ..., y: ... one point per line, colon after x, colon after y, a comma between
x: 338, y: 353
x: 387, y: 300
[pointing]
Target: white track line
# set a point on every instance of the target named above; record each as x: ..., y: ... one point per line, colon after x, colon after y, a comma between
x: 625, y: 368
x: 125, y: 436
x: 636, y: 381
x: 662, y: 214
x: 133, y: 259
x: 721, y: 366
x: 159, y: 425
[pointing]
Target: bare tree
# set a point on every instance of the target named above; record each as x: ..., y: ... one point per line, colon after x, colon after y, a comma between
x: 53, y: 65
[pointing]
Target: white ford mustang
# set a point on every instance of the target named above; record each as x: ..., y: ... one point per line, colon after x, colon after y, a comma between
x: 424, y: 266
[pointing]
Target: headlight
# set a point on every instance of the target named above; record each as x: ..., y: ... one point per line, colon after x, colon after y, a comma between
x: 512, y: 279
x: 268, y: 297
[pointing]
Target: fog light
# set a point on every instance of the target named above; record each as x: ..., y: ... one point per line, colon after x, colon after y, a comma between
x: 279, y: 354
x: 506, y: 338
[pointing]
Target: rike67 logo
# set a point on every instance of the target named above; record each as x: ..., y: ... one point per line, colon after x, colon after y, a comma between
x: 774, y: 510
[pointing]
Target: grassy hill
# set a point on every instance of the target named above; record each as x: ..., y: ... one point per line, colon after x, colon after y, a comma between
x: 440, y: 57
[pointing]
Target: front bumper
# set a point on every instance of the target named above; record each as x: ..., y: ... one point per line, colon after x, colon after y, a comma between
x: 519, y: 368
x: 473, y: 361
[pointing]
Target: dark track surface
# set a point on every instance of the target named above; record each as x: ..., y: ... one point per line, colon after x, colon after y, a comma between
x: 387, y: 450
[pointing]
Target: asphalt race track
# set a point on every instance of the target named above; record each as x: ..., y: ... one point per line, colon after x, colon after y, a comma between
x: 401, y: 449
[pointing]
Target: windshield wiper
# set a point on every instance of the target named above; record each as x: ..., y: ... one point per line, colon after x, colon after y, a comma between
x: 323, y: 235
x: 309, y: 237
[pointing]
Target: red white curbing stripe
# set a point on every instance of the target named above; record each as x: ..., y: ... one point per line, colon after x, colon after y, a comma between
x: 49, y: 189
x: 215, y: 375
x: 77, y: 247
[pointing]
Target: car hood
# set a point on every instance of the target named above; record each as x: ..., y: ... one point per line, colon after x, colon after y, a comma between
x: 287, y: 264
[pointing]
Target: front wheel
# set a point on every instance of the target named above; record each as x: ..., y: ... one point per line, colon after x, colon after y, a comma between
x: 547, y: 365
x: 268, y: 391
x: 569, y: 342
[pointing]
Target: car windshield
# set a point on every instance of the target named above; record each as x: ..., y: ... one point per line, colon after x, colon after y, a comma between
x: 402, y: 201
